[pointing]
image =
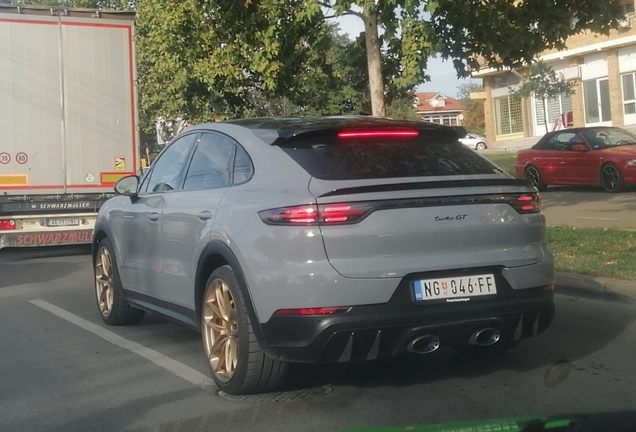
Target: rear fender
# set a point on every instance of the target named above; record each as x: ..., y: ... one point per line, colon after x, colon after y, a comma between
x: 217, y: 247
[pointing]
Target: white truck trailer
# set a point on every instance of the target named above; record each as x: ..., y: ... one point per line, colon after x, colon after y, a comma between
x: 68, y: 120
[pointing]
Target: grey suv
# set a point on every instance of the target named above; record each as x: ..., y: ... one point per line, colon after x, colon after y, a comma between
x: 324, y: 240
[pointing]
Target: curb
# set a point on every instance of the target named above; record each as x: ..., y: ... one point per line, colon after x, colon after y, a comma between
x: 595, y: 287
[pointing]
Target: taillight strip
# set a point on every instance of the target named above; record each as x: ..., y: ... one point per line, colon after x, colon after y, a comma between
x: 350, y: 213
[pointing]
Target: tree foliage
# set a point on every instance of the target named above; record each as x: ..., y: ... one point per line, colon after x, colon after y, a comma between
x: 474, y: 116
x: 542, y: 82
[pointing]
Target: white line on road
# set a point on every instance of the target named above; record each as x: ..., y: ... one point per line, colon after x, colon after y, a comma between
x: 179, y: 369
x: 597, y: 218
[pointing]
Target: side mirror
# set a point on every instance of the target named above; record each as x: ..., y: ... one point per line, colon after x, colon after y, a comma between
x: 578, y: 148
x: 127, y: 186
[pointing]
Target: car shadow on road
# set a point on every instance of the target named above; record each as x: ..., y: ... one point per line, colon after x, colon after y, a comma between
x: 565, y: 196
x: 575, y: 333
x: 27, y: 266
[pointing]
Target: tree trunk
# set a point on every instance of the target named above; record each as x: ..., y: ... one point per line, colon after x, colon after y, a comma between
x: 374, y: 62
x: 545, y: 114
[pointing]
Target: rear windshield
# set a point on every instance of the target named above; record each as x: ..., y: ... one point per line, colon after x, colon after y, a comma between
x: 348, y: 159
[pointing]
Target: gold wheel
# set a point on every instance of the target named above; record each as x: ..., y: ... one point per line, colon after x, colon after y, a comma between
x: 220, y: 329
x: 104, y: 282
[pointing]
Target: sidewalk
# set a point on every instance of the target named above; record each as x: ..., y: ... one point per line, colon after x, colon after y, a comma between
x: 596, y: 287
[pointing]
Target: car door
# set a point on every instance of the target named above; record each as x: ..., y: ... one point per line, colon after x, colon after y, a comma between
x: 578, y: 162
x: 563, y: 161
x: 546, y: 160
x: 140, y: 245
x: 190, y: 213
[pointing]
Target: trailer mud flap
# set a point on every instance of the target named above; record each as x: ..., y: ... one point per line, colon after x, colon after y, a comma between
x: 45, y: 239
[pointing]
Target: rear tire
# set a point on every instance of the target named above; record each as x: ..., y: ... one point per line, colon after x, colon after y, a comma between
x: 237, y: 363
x: 481, y: 146
x: 533, y: 176
x: 612, y: 178
x: 111, y: 302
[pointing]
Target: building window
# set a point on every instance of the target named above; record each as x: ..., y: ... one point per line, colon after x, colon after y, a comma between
x: 508, y: 115
x: 628, y: 7
x: 597, y: 101
x: 562, y: 104
x: 629, y: 95
x: 445, y: 119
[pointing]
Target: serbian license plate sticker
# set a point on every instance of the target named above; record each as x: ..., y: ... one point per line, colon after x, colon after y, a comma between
x: 456, y: 289
x: 62, y: 222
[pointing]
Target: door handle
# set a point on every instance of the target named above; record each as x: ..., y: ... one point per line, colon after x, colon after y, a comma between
x: 129, y: 217
x: 153, y: 217
x: 205, y: 215
x: 561, y: 163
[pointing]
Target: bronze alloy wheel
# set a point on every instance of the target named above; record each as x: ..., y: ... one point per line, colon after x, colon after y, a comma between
x: 220, y: 330
x: 104, y: 282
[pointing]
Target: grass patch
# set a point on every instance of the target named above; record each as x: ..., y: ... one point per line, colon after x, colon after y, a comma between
x: 600, y: 252
x: 504, y: 160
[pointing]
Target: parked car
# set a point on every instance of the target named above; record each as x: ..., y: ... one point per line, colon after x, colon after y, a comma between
x: 473, y: 141
x: 604, y: 156
x: 321, y: 241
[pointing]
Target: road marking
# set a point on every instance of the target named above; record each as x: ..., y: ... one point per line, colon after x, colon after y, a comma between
x: 179, y: 369
x: 597, y: 218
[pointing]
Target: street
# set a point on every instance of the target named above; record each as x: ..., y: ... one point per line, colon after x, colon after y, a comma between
x: 589, y: 207
x: 63, y: 370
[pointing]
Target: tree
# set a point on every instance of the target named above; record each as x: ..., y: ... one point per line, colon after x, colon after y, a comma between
x: 502, y: 33
x: 542, y: 82
x: 474, y: 118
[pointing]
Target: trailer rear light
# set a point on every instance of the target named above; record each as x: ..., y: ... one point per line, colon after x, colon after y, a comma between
x: 379, y: 133
x: 527, y: 203
x: 312, y: 311
x: 7, y: 224
x: 329, y: 214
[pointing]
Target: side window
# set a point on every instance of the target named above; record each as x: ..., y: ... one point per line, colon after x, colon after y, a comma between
x: 166, y: 170
x: 242, y: 166
x: 212, y: 163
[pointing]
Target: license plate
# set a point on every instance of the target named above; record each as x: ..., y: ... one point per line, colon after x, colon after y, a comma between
x: 455, y: 289
x: 62, y: 222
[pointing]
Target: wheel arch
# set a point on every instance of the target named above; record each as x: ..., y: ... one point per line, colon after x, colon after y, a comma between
x: 101, y: 232
x: 217, y: 254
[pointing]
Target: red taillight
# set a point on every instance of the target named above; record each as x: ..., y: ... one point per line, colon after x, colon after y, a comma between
x: 379, y: 133
x: 7, y: 224
x: 530, y: 203
x: 330, y: 214
x: 312, y: 311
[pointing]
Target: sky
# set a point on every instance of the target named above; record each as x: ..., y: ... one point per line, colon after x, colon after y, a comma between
x: 443, y: 76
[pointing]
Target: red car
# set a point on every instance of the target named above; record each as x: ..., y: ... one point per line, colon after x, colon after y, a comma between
x: 603, y: 156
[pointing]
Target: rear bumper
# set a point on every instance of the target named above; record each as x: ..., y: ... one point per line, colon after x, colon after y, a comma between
x: 380, y: 331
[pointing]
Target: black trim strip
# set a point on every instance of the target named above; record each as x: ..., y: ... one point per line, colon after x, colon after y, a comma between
x: 427, y: 185
x: 443, y: 201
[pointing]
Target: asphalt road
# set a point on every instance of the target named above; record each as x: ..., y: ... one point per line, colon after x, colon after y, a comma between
x: 61, y: 369
x: 589, y: 207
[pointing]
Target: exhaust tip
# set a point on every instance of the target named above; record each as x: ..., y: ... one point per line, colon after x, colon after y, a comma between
x: 485, y: 337
x: 423, y: 344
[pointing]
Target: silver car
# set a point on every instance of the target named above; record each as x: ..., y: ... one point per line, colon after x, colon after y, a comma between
x: 324, y: 240
x: 474, y: 141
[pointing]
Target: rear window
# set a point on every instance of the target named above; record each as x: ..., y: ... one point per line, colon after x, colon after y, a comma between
x: 332, y: 158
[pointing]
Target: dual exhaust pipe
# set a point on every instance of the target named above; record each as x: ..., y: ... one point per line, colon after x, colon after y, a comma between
x: 426, y: 344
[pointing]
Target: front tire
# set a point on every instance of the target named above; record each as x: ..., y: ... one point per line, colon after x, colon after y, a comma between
x: 111, y: 302
x: 612, y: 178
x: 533, y: 176
x: 238, y: 364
